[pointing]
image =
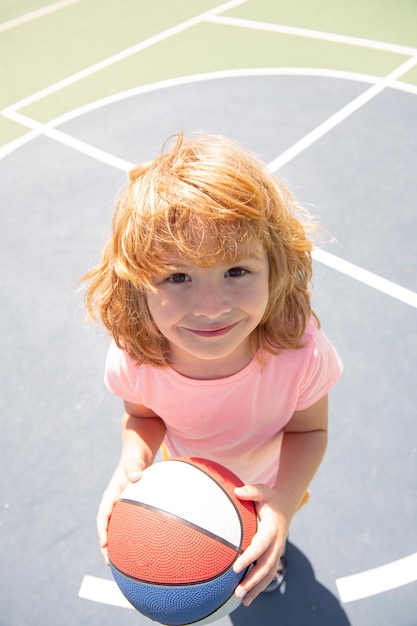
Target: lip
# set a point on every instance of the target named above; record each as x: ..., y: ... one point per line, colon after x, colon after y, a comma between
x: 217, y: 331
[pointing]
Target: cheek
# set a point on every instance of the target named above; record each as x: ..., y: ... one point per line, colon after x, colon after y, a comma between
x: 255, y: 303
x: 163, y: 307
x: 261, y: 296
x: 260, y: 301
x: 154, y: 306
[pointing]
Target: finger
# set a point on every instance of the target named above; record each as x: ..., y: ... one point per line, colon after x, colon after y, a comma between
x: 256, y: 580
x: 105, y: 554
x: 104, y: 512
x: 102, y: 537
x: 103, y: 518
x: 132, y: 473
x: 248, y: 597
x: 257, y: 547
x: 250, y: 492
x: 254, y: 576
x: 102, y: 527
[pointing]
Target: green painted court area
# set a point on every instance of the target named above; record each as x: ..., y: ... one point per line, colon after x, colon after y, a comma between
x: 61, y: 56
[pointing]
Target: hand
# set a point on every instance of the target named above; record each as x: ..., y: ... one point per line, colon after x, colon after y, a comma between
x: 127, y: 471
x: 267, y: 545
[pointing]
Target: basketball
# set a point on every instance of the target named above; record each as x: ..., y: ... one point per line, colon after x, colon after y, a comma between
x: 173, y: 539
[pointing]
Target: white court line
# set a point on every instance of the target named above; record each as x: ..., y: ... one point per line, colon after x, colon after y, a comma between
x: 282, y: 159
x: 179, y: 81
x: 350, y: 588
x: 33, y: 15
x: 107, y: 592
x: 120, y: 56
x: 341, y: 115
x: 71, y: 142
x: 378, y: 580
x: 367, y: 278
x: 345, y: 267
x: 151, y: 87
x: 104, y: 591
x: 372, y: 280
x: 194, y: 78
x: 314, y: 34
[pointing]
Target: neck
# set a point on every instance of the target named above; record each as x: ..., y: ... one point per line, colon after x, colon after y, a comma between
x: 210, y: 369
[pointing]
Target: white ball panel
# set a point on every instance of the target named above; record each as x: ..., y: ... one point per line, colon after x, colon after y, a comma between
x: 190, y: 494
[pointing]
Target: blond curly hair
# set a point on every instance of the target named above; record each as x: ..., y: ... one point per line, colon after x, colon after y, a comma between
x: 203, y: 199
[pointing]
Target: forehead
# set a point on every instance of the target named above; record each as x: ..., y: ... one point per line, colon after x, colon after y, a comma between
x: 208, y: 256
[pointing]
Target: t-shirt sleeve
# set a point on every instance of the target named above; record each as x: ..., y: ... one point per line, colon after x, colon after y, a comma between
x: 323, y: 371
x: 120, y: 375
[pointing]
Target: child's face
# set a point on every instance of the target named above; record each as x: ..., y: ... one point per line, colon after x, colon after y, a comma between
x: 208, y: 314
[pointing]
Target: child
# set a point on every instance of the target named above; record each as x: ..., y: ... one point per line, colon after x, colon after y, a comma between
x: 216, y: 352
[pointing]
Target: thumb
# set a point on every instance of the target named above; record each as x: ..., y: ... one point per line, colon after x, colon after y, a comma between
x: 133, y: 472
x: 250, y: 492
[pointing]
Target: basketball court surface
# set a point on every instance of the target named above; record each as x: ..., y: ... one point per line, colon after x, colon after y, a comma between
x: 326, y: 93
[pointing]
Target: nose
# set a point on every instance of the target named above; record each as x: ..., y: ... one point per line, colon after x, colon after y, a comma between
x: 211, y: 301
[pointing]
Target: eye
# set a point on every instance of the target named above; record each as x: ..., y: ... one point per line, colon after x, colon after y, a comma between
x: 178, y: 277
x: 236, y: 272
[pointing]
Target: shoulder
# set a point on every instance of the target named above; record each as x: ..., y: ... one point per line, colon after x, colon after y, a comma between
x: 313, y: 329
x: 119, y: 360
x: 319, y: 342
x: 323, y: 365
x: 121, y: 373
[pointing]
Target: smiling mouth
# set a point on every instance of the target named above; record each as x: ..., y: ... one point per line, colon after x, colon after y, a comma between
x: 212, y: 332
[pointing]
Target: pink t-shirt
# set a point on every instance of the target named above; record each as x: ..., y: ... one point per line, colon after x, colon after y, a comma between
x: 236, y: 421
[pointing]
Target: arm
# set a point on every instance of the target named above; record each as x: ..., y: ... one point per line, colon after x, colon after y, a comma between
x: 303, y: 447
x: 142, y: 435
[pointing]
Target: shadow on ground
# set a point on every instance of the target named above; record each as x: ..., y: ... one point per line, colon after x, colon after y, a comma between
x: 305, y: 601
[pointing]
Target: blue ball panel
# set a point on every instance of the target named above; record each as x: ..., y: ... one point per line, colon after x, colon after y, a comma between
x: 175, y: 605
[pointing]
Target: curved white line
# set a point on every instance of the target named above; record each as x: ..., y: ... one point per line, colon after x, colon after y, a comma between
x: 194, y: 78
x: 378, y: 580
x: 342, y: 114
x: 406, y: 87
x: 208, y: 76
x: 11, y: 114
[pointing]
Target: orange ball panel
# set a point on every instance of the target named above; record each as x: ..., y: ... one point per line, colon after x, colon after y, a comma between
x: 147, y: 545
